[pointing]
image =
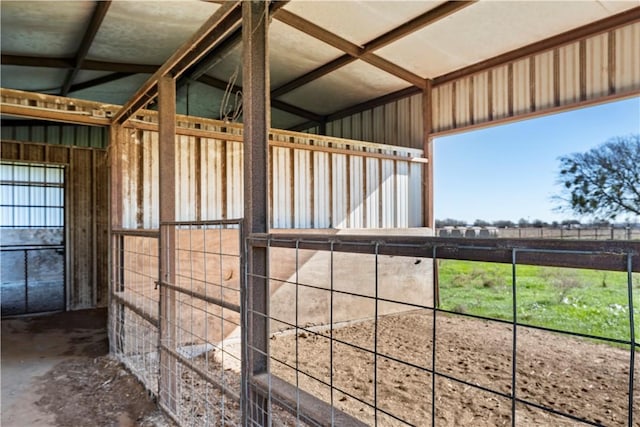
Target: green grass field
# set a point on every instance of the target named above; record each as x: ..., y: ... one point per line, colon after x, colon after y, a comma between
x: 583, y: 301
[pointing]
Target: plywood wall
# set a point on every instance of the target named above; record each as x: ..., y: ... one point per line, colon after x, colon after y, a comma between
x: 87, y: 215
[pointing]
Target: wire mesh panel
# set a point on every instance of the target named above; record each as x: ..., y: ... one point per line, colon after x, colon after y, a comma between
x: 133, y: 331
x: 200, y: 342
x: 512, y: 335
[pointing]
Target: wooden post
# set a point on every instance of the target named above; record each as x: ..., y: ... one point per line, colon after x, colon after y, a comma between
x: 167, y: 181
x: 256, y: 118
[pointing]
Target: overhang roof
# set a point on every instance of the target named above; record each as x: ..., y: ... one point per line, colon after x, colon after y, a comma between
x: 325, y: 56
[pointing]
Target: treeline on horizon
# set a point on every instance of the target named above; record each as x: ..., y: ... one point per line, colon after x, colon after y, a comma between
x: 536, y: 223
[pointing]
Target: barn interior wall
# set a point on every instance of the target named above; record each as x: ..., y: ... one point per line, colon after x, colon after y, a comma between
x: 87, y: 224
x: 398, y: 123
x: 315, y: 182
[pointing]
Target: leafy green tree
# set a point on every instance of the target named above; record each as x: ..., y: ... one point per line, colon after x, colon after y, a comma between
x: 603, y: 182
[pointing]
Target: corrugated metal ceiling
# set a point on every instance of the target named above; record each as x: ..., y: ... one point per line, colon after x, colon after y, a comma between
x: 147, y: 33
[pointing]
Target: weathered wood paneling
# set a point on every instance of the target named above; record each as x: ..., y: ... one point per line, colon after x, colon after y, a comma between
x: 87, y: 215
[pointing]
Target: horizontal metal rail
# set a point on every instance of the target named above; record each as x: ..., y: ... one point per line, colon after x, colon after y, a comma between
x: 201, y: 373
x: 137, y: 310
x: 594, y: 254
x: 200, y: 296
x: 236, y: 221
x: 136, y: 232
x: 14, y: 248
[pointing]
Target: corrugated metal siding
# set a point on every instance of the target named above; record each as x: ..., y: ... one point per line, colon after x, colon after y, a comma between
x: 600, y: 67
x: 627, y: 67
x: 398, y: 123
x: 309, y: 187
x: 55, y: 134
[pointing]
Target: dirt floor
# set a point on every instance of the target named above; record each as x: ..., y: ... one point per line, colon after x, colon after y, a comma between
x: 571, y: 375
x: 56, y: 372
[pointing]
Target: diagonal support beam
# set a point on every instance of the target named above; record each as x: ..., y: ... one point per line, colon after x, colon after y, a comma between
x: 99, y: 81
x: 354, y: 52
x: 99, y: 13
x: 216, y: 55
x: 280, y: 105
x: 121, y: 70
x: 225, y: 20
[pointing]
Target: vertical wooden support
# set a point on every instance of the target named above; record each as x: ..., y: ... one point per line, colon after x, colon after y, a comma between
x: 427, y: 180
x: 167, y: 181
x: 256, y: 105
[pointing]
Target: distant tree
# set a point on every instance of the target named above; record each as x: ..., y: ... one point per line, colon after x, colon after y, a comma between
x: 539, y: 223
x: 523, y: 223
x: 449, y: 222
x: 504, y: 223
x: 603, y: 182
x: 481, y: 223
x: 555, y: 224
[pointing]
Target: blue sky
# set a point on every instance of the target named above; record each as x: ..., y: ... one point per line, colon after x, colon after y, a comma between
x: 509, y: 172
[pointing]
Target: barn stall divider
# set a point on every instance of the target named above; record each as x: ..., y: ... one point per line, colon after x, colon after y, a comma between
x: 186, y: 347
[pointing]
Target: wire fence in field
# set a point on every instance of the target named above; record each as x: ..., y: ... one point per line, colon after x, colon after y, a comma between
x: 416, y: 363
x: 571, y: 233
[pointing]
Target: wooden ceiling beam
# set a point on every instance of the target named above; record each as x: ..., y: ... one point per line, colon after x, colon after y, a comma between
x: 99, y: 13
x: 224, y: 20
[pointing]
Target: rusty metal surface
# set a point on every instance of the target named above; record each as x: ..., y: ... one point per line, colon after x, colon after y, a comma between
x: 603, y: 255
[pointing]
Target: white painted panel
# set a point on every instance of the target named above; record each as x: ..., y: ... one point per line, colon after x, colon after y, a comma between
x: 321, y: 209
x: 462, y: 102
x: 212, y: 179
x: 544, y: 80
x: 379, y: 124
x: 402, y: 194
x: 388, y: 193
x: 415, y: 195
x: 417, y: 131
x: 627, y: 75
x: 367, y: 125
x: 598, y: 66
x: 302, y: 196
x: 373, y: 192
x: 281, y: 180
x: 521, y: 87
x: 391, y: 123
x: 404, y: 122
x: 339, y: 188
x: 346, y: 128
x: 500, y: 92
x: 356, y: 182
x: 444, y: 110
x: 569, y: 57
x: 480, y: 97
x: 235, y: 180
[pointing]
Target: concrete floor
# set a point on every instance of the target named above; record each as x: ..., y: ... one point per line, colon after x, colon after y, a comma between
x: 33, y: 346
